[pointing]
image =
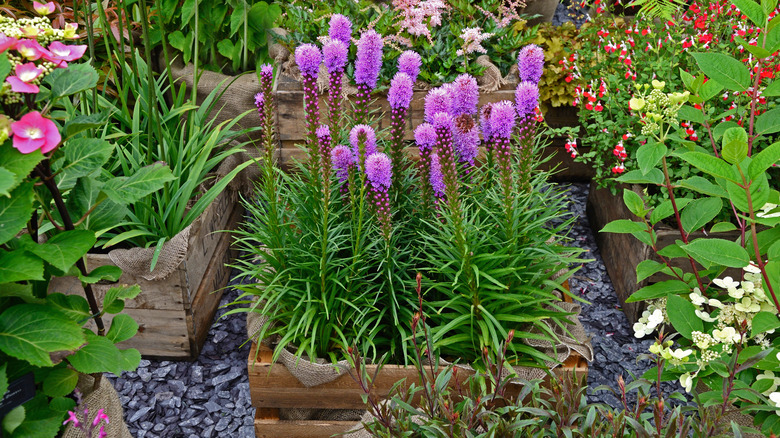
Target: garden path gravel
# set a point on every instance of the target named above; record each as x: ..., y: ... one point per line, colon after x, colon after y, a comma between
x: 209, y: 397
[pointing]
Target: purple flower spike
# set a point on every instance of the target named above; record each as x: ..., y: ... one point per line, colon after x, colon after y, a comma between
x: 436, y: 101
x: 379, y: 171
x: 437, y: 178
x: 308, y: 58
x: 334, y: 54
x: 267, y: 70
x: 370, y: 140
x: 465, y: 95
x: 340, y: 29
x: 369, y: 59
x: 259, y: 101
x: 409, y: 62
x: 526, y: 98
x: 442, y: 120
x: 484, y: 120
x: 502, y: 119
x: 425, y: 136
x: 401, y: 91
x: 530, y: 62
x: 342, y: 159
x: 323, y: 131
x: 466, y: 138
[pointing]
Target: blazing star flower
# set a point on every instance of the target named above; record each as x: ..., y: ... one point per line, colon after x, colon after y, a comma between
x: 484, y: 120
x: 342, y: 159
x: 443, y: 120
x: 62, y: 52
x: 409, y: 62
x: 530, y: 62
x: 43, y: 9
x: 526, y: 98
x: 436, y: 101
x: 340, y: 29
x: 260, y: 101
x: 502, y: 119
x: 465, y: 95
x: 370, y: 140
x: 466, y: 138
x: 30, y: 49
x: 425, y: 136
x: 379, y: 171
x: 33, y: 132
x: 400, y: 93
x: 308, y: 58
x: 437, y: 177
x: 267, y: 71
x: 334, y: 54
x: 369, y: 59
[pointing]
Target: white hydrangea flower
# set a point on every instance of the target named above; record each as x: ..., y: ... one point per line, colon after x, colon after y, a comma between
x: 769, y: 375
x: 704, y: 316
x: 686, y: 380
x: 728, y: 335
x: 715, y: 303
x: 775, y: 398
x: 766, y: 209
x: 726, y: 283
x: 702, y: 340
x: 748, y: 286
x: 737, y: 293
x: 696, y: 297
x: 656, y: 318
x: 640, y: 330
x: 747, y: 305
x: 778, y: 355
x: 752, y: 268
x: 680, y: 354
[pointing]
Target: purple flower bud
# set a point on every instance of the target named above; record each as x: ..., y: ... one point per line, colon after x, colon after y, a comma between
x: 442, y: 120
x: 340, y: 29
x: 436, y: 101
x: 530, y: 63
x: 409, y: 62
x: 369, y: 59
x: 437, y: 178
x: 267, y: 70
x: 308, y: 58
x: 368, y: 134
x: 259, y: 101
x: 526, y: 98
x: 502, y: 119
x: 334, y: 54
x: 465, y: 95
x: 425, y: 136
x: 379, y: 171
x: 484, y: 120
x: 401, y: 91
x: 342, y: 159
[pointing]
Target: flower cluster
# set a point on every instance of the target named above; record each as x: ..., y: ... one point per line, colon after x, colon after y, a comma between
x: 79, y: 419
x: 652, y: 318
x: 472, y: 41
x: 419, y: 16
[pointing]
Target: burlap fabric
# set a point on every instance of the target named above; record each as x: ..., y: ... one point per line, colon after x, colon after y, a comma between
x: 105, y: 397
x: 138, y: 261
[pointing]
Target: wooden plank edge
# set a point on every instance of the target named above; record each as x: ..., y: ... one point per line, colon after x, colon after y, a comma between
x: 270, y: 428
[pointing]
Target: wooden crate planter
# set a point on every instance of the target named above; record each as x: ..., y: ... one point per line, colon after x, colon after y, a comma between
x: 291, y: 126
x: 174, y: 314
x: 272, y: 387
x: 623, y: 252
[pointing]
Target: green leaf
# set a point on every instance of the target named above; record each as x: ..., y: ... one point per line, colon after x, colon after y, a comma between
x: 735, y: 144
x: 83, y: 122
x: 3, y: 379
x: 5, y: 66
x: 759, y: 52
x: 131, y: 358
x: 114, y: 297
x: 188, y: 11
x: 66, y: 81
x: 682, y: 315
x: 673, y: 250
x: 7, y: 181
x: 225, y: 48
x: 146, y: 180
x: 753, y: 11
x: 768, y: 6
x: 14, y: 419
x: 772, y: 90
x: 655, y: 176
x: 74, y: 307
x: 646, y: 268
x: 687, y: 79
x: 60, y: 382
x: 702, y: 185
x: 64, y: 249
x: 85, y: 156
x: 710, y: 89
x: 31, y: 331
x: 123, y: 327
x: 19, y: 266
x: 724, y: 69
x: 98, y: 356
x: 767, y: 123
x: 688, y: 112
x: 764, y: 322
x: 109, y: 273
x: 649, y: 155
x: 634, y: 202
x: 43, y: 419
x: 759, y: 193
x: 659, y: 290
x: 722, y: 227
x: 15, y: 212
x: 699, y: 213
x: 665, y: 209
x: 773, y: 253
x: 624, y: 226
x: 718, y: 252
x: 710, y: 165
x: 763, y: 160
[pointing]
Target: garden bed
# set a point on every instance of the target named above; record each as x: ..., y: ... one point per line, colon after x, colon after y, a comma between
x: 174, y: 313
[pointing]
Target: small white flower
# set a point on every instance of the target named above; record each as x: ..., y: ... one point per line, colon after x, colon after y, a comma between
x: 715, y: 303
x: 696, y: 297
x: 726, y: 336
x: 680, y: 354
x: 655, y: 319
x: 752, y: 268
x: 748, y: 306
x: 640, y: 330
x: 726, y: 282
x: 704, y: 316
x: 702, y: 340
x: 736, y: 293
x: 766, y: 209
x: 778, y: 355
x: 686, y: 380
x: 749, y: 286
x: 769, y: 375
x: 775, y: 398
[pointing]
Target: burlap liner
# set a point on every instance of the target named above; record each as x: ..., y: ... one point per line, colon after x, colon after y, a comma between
x: 571, y: 339
x: 138, y: 261
x: 103, y: 397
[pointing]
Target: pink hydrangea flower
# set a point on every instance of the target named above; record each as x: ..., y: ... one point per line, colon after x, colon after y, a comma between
x: 30, y: 49
x: 60, y: 53
x: 33, y: 132
x: 25, y: 73
x: 7, y: 42
x: 43, y: 8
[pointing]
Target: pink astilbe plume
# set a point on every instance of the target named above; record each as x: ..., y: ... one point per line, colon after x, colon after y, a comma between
x: 417, y: 17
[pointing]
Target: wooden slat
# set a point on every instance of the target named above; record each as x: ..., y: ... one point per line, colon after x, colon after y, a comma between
x: 265, y: 428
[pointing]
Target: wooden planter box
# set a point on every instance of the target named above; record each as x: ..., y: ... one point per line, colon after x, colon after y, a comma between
x: 273, y: 387
x: 291, y: 126
x: 174, y: 314
x: 623, y: 252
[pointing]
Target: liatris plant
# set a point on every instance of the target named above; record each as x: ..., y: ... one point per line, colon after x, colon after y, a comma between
x: 425, y: 138
x: 399, y: 97
x: 409, y: 62
x: 444, y: 125
x: 526, y: 101
x: 340, y: 29
x: 265, y: 107
x: 367, y: 66
x: 502, y: 126
x: 308, y: 57
x: 335, y: 56
x: 379, y: 173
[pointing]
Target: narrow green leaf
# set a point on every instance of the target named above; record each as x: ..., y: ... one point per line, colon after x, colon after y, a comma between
x: 624, y: 226
x: 106, y: 272
x: 722, y: 227
x: 710, y: 165
x: 704, y: 186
